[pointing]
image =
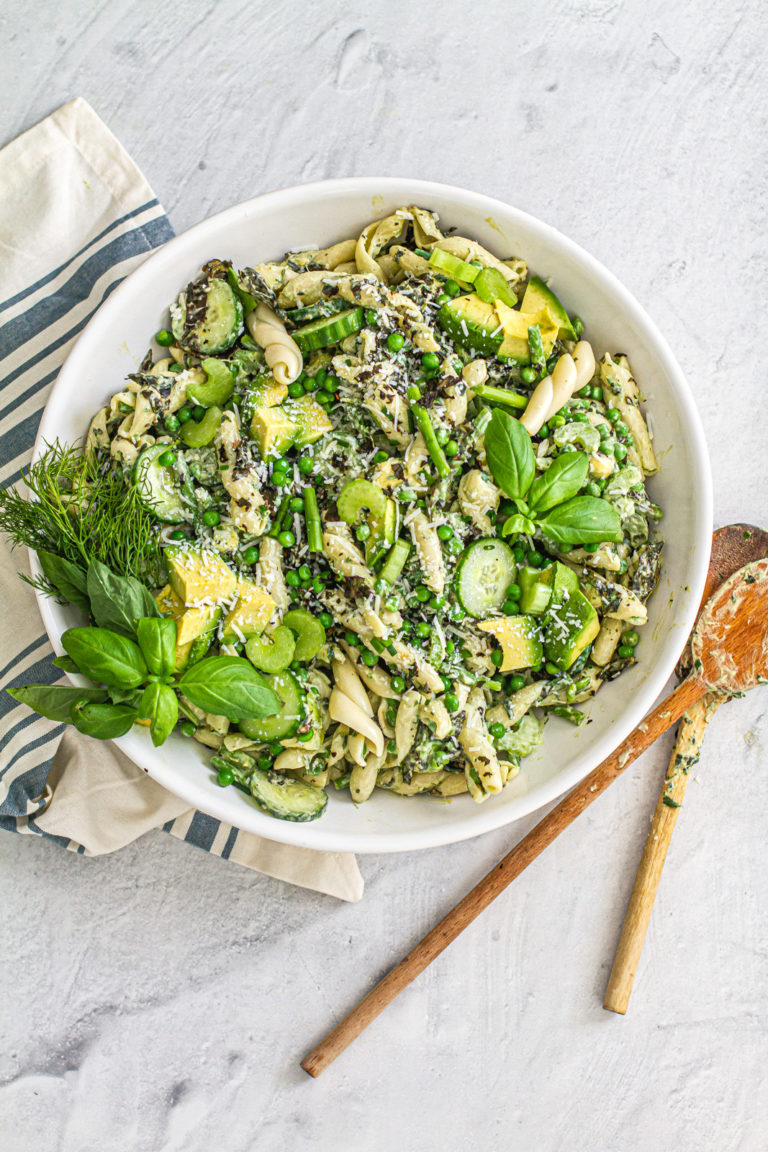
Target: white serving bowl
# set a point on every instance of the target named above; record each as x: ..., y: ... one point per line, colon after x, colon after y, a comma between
x: 117, y: 338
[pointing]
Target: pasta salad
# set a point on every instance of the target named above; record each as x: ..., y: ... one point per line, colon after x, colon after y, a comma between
x: 392, y: 489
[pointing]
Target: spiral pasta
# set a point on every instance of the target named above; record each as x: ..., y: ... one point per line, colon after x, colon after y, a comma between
x: 281, y: 351
x: 571, y: 373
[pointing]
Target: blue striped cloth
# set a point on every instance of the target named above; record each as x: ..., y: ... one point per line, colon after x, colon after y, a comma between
x: 68, y: 187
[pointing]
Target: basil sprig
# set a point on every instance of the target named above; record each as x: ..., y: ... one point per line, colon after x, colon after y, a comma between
x: 160, y: 706
x: 549, y: 502
x: 68, y: 579
x: 157, y: 640
x: 106, y: 657
x: 56, y: 701
x: 229, y: 686
x: 118, y: 602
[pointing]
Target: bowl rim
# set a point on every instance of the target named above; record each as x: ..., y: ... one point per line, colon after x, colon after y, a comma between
x: 488, y: 817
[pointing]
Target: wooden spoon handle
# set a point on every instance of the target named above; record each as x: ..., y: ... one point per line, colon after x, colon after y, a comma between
x: 684, y: 755
x: 663, y: 717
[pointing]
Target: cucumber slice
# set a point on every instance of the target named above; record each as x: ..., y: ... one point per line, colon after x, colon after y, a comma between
x: 329, y: 330
x: 271, y: 653
x: 285, y: 798
x: 453, y: 266
x: 484, y: 573
x: 317, y: 311
x: 208, y: 317
x: 157, y: 485
x: 309, y: 632
x: 287, y: 720
x: 491, y: 285
x: 472, y: 323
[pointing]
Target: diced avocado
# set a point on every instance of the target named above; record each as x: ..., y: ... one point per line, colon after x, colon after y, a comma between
x: 519, y: 638
x: 514, y: 345
x: 538, y: 296
x: 535, y: 588
x: 471, y: 322
x: 168, y: 602
x: 569, y: 626
x: 273, y: 430
x: 310, y: 418
x: 265, y: 392
x: 196, y: 622
x: 565, y: 580
x: 252, y: 612
x: 196, y: 575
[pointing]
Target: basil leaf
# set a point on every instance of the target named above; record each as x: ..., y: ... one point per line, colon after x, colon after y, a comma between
x: 66, y: 663
x: 582, y: 520
x: 117, y: 602
x: 129, y: 696
x: 160, y: 706
x: 565, y: 476
x: 67, y: 578
x: 105, y: 657
x: 536, y: 347
x: 516, y: 524
x: 510, y: 454
x: 157, y: 640
x: 54, y: 701
x: 228, y: 686
x: 103, y: 721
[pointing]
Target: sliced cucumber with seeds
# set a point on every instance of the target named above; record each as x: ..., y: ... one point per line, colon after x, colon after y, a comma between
x: 285, y: 722
x: 157, y: 485
x: 287, y: 798
x: 208, y: 317
x: 484, y: 573
x: 329, y: 330
x: 318, y: 311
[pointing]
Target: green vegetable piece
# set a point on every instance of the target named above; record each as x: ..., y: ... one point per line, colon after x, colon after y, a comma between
x: 491, y: 285
x: 197, y: 435
x: 209, y: 316
x: 103, y: 721
x: 310, y: 633
x: 277, y: 794
x: 157, y: 640
x: 582, y: 520
x: 160, y: 706
x: 472, y: 324
x: 313, y: 522
x: 248, y: 301
x: 157, y: 486
x: 566, y: 475
x: 228, y: 686
x: 272, y: 653
x: 329, y: 330
x: 503, y: 396
x: 538, y: 356
x: 217, y: 387
x: 106, y: 657
x: 537, y: 297
x: 453, y: 266
x: 285, y: 722
x: 118, y: 602
x: 570, y: 625
x: 55, y: 701
x: 395, y: 562
x: 510, y: 455
x: 535, y: 589
x: 67, y: 578
x: 359, y: 496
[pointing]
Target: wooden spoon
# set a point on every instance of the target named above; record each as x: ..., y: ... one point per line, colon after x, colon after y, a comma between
x: 732, y: 547
x: 730, y: 653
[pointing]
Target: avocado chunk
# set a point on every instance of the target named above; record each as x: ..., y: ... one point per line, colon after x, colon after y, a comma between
x: 539, y: 297
x: 251, y: 613
x: 310, y: 418
x: 196, y: 622
x: 196, y: 575
x: 514, y: 345
x: 520, y: 640
x: 471, y: 322
x: 273, y: 430
x: 570, y: 625
x: 265, y: 392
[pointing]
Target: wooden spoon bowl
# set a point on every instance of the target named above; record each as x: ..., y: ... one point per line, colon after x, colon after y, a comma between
x: 730, y: 641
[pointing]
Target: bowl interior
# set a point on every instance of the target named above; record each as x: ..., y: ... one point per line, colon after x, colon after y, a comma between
x: 116, y: 339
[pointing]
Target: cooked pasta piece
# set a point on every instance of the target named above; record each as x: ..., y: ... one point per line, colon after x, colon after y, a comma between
x: 240, y: 475
x: 428, y: 550
x: 281, y: 351
x: 347, y: 712
x: 620, y: 391
x: 482, y: 771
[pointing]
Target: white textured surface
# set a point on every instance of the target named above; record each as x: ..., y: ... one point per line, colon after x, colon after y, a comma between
x: 160, y: 999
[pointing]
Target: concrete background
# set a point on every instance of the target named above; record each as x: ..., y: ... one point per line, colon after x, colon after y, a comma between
x: 160, y: 999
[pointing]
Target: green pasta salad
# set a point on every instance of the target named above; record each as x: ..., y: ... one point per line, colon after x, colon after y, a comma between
x: 368, y: 516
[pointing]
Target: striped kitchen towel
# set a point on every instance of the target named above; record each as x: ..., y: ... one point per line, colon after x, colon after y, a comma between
x: 76, y: 216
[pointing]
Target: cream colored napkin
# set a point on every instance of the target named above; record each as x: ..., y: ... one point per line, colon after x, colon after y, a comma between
x: 76, y: 216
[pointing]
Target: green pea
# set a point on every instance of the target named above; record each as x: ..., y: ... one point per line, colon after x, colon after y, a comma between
x: 306, y: 465
x: 184, y: 413
x: 528, y: 375
x: 198, y: 412
x: 317, y: 585
x: 187, y: 728
x: 380, y: 456
x: 445, y: 532
x: 292, y: 579
x: 275, y: 747
x: 178, y: 534
x: 423, y: 629
x: 211, y: 518
x: 577, y: 324
x: 164, y: 338
x: 592, y: 489
x: 451, y: 701
x: 557, y: 421
x: 451, y: 448
x: 630, y: 638
x: 451, y: 288
x: 296, y: 504
x: 395, y: 341
x: 535, y: 559
x: 497, y: 658
x: 305, y: 737
x: 225, y: 777
x: 371, y: 317
x: 167, y: 459
x: 430, y: 360
x: 443, y: 298
x: 352, y: 639
x: 250, y: 556
x: 551, y: 668
x: 172, y: 422
x: 544, y: 431
x: 585, y: 391
x: 279, y: 478
x: 296, y: 389
x: 363, y: 532
x: 510, y: 608
x: 422, y: 593
x: 326, y: 619
x: 591, y: 548
x: 325, y: 399
x: 596, y: 392
x: 305, y: 574
x: 320, y: 377
x: 619, y: 451
x: 310, y: 384
x: 497, y: 730
x: 264, y: 762
x: 442, y: 435
x: 398, y: 684
x: 625, y: 651
x: 516, y: 682
x: 286, y: 538
x: 612, y: 414
x: 436, y: 603
x: 370, y: 659
x: 331, y: 384
x: 514, y: 592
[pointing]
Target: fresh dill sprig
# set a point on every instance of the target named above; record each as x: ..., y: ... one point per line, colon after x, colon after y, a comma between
x: 81, y: 508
